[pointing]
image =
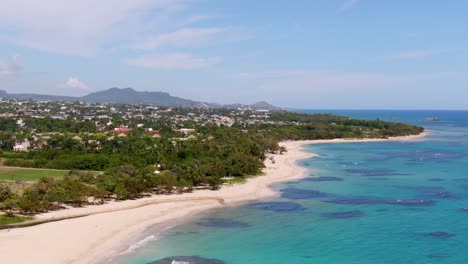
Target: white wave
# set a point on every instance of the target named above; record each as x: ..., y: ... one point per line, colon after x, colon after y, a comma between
x: 139, y: 244
x: 145, y: 242
x: 168, y: 227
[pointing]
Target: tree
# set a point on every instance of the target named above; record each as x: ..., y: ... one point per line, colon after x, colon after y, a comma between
x: 121, y: 191
x: 33, y: 202
x: 214, y: 182
x: 75, y: 191
x: 5, y: 193
x: 10, y: 205
x: 282, y: 150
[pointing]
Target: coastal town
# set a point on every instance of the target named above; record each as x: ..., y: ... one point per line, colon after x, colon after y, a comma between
x: 35, y: 123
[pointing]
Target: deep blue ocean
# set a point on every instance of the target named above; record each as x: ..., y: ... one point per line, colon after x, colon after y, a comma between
x: 363, y: 203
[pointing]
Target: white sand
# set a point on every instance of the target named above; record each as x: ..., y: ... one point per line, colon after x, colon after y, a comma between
x: 95, y: 237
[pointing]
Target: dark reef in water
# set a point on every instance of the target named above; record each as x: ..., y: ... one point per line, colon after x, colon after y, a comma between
x: 430, y: 191
x: 377, y: 201
x: 442, y: 195
x: 357, y: 201
x: 410, y: 202
x: 277, y: 206
x: 440, y: 234
x: 419, y: 188
x: 381, y: 210
x: 461, y: 179
x: 464, y: 209
x: 296, y: 194
x: 190, y: 260
x: 344, y: 215
x: 221, y: 222
x: 436, y: 179
x: 375, y: 172
x: 323, y: 179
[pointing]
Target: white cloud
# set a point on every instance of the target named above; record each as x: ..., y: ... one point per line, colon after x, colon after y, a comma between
x: 90, y: 28
x: 348, y: 4
x: 14, y: 66
x: 75, y: 83
x: 172, y: 61
x: 84, y: 27
x: 185, y: 37
x: 417, y: 54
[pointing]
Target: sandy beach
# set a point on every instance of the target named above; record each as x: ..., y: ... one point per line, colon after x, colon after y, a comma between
x: 99, y: 232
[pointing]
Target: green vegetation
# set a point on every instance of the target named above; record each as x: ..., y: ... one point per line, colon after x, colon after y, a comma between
x: 13, y: 219
x: 21, y: 174
x: 16, y: 187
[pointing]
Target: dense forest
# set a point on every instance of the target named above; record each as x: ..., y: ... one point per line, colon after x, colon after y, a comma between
x: 139, y: 163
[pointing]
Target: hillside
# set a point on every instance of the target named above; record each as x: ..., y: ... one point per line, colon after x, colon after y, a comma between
x: 131, y: 96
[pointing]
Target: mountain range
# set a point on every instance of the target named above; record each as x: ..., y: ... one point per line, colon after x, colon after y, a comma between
x: 131, y: 96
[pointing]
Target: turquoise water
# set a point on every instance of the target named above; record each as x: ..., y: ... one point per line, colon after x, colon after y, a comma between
x: 387, y: 202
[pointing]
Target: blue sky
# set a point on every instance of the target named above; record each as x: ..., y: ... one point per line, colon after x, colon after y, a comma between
x: 325, y: 54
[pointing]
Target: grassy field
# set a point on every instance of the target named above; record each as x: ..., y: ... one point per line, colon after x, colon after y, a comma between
x: 25, y: 174
x: 6, y: 219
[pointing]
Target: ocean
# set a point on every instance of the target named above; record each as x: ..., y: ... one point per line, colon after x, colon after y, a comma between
x: 363, y: 203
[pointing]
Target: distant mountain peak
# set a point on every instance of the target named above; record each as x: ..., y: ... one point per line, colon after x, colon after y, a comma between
x: 262, y: 105
x: 128, y: 89
x: 129, y: 95
x: 118, y: 89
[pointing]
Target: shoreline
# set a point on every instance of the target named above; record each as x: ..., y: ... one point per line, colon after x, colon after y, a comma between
x: 98, y: 236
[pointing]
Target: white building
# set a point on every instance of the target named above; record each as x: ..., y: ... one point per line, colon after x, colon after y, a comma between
x: 20, y: 123
x: 23, y: 146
